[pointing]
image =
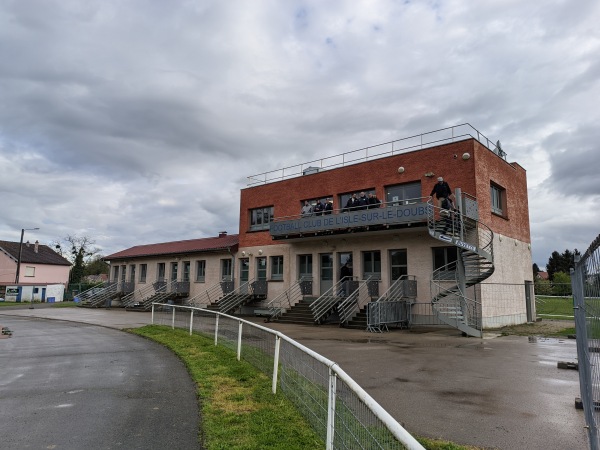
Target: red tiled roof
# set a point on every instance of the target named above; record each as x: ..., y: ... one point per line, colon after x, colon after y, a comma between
x: 211, y: 244
x: 44, y: 255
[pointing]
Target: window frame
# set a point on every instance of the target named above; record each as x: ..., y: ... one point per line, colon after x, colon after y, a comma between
x: 29, y: 271
x: 447, y: 259
x: 497, y: 199
x: 200, y: 271
x: 400, y: 267
x: 143, y: 273
x: 257, y: 224
x: 261, y: 273
x: 277, y: 268
x: 373, y: 262
x: 186, y: 271
x: 403, y: 187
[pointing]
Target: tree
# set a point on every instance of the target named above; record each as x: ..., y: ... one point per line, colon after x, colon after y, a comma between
x: 561, y: 262
x: 536, y: 270
x: 562, y: 284
x: 96, y: 266
x: 78, y: 250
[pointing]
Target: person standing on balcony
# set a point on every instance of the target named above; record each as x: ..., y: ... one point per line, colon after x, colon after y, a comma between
x: 374, y: 202
x: 441, y: 190
x: 363, y: 201
x: 319, y: 208
x: 306, y: 209
x: 328, y: 206
x: 352, y: 203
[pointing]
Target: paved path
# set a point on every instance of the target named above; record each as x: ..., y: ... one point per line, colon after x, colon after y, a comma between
x: 504, y: 393
x: 68, y: 385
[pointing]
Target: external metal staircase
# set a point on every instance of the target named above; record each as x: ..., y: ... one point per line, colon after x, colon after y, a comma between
x: 157, y: 292
x: 356, y: 303
x: 393, y: 306
x: 475, y: 263
x: 249, y: 291
x: 290, y: 301
x: 327, y: 304
x: 97, y: 296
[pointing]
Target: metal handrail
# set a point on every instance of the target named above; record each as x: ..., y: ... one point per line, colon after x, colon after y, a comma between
x: 286, y: 299
x: 326, y: 303
x: 131, y: 298
x: 97, y: 289
x: 352, y: 304
x: 234, y: 298
x: 208, y: 296
x: 420, y: 141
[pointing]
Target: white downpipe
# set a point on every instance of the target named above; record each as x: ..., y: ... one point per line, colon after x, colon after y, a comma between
x: 331, y: 410
x: 191, y: 320
x: 239, y: 349
x: 276, y: 364
x: 216, y: 329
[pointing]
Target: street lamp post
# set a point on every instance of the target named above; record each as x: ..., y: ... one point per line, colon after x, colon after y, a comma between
x: 23, y: 230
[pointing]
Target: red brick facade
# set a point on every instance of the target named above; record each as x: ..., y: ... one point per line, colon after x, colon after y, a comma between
x: 472, y: 175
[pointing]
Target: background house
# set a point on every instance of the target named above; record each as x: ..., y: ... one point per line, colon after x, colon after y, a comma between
x: 43, y: 273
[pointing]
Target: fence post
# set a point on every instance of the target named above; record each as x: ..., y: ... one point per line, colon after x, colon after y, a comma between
x: 331, y: 410
x: 585, y: 379
x: 216, y: 328
x: 276, y: 364
x: 173, y: 318
x: 239, y: 347
x: 191, y: 320
x: 152, y: 322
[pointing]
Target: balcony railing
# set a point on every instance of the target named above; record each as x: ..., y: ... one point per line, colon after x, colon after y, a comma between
x: 418, y: 142
x: 391, y: 214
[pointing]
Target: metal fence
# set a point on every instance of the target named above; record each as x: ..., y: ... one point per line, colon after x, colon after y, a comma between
x: 585, y: 280
x: 339, y: 410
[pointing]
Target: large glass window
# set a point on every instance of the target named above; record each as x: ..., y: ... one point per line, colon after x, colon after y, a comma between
x: 160, y: 272
x: 403, y: 194
x: 200, y: 271
x: 398, y: 264
x: 276, y: 267
x: 226, y: 269
x: 304, y: 266
x: 143, y: 272
x: 444, y: 258
x: 344, y: 206
x: 186, y: 271
x: 261, y: 268
x: 260, y: 218
x: 498, y: 199
x: 372, y: 265
x: 174, y: 268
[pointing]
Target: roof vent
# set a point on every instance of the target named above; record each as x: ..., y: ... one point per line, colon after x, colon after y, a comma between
x: 35, y: 249
x: 222, y: 233
x: 310, y: 170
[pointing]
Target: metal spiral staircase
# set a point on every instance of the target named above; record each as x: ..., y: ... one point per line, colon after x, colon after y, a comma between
x: 475, y: 262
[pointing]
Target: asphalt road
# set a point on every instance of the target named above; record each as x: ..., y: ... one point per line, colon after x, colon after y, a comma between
x: 66, y: 385
x: 502, y: 393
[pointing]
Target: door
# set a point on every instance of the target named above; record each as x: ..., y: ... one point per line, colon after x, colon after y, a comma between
x: 244, y: 274
x: 325, y: 272
x: 43, y: 295
x: 305, y: 273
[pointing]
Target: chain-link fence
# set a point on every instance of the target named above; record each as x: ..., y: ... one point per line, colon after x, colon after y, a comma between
x: 339, y: 410
x: 585, y: 280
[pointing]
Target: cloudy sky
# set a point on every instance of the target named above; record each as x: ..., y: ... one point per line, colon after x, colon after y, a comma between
x: 137, y: 122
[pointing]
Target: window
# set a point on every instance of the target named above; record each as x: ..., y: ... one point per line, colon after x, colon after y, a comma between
x: 160, y: 270
x: 29, y: 271
x: 116, y: 273
x: 304, y: 266
x: 123, y: 272
x: 200, y: 270
x: 444, y: 258
x: 36, y: 290
x: 398, y: 264
x: 261, y: 268
x: 260, y: 218
x: 498, y: 199
x: 226, y: 269
x: 345, y: 197
x: 186, y: 271
x: 277, y: 268
x: 143, y: 272
x: 174, y: 268
x: 402, y: 194
x: 132, y: 272
x: 372, y: 265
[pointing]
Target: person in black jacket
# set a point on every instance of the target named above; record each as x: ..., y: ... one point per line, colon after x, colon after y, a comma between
x: 363, y: 201
x: 374, y: 202
x: 328, y: 206
x: 351, y: 204
x: 441, y: 190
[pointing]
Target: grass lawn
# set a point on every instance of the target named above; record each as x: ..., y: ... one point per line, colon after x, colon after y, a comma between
x: 554, y: 306
x: 51, y: 305
x: 238, y: 409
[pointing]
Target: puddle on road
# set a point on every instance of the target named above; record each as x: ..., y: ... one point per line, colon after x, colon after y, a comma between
x: 545, y: 340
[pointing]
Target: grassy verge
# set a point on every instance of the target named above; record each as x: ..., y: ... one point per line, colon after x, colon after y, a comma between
x: 27, y: 304
x: 238, y: 409
x: 558, y: 306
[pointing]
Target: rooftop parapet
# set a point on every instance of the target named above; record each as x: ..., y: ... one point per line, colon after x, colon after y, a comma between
x: 418, y: 142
